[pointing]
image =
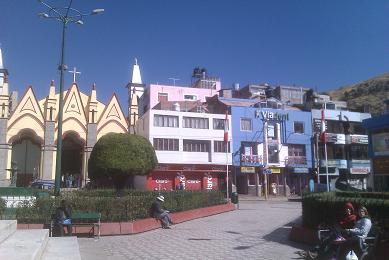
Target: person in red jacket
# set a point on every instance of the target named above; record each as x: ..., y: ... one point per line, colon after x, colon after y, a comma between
x: 349, y: 218
x: 329, y: 244
x: 347, y: 221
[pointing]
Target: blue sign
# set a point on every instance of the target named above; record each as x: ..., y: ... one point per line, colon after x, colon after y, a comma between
x: 266, y: 171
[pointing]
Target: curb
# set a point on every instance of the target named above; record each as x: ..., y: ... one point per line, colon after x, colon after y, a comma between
x: 143, y: 225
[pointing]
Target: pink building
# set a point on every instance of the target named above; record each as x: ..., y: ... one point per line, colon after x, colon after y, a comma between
x: 202, y: 87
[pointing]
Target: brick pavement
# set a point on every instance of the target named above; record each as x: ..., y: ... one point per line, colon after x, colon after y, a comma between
x: 258, y: 230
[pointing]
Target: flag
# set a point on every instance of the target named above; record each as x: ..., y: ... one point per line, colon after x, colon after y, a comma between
x: 226, y: 129
x: 323, y: 127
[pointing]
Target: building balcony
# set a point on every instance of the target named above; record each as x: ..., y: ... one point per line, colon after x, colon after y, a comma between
x: 251, y: 159
x: 296, y: 160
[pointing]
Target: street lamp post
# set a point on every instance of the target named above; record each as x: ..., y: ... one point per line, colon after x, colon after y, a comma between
x: 65, y: 15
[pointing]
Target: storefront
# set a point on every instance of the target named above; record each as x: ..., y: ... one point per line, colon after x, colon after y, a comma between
x: 194, y: 177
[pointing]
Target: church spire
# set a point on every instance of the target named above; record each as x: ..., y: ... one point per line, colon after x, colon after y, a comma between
x: 136, y: 77
x: 3, y: 72
x: 135, y: 93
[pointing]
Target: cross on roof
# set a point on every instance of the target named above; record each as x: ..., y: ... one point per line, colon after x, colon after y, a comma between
x: 74, y: 72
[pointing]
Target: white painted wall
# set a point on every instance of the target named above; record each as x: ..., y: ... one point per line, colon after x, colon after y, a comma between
x: 179, y: 157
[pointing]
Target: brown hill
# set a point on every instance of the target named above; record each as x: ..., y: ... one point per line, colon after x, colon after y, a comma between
x: 369, y: 93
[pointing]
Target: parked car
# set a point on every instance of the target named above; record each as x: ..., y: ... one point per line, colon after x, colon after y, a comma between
x: 43, y: 184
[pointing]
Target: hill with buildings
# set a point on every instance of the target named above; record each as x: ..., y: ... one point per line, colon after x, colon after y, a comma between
x: 365, y: 96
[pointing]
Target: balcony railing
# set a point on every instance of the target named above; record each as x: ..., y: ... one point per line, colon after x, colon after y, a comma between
x: 251, y: 159
x: 293, y: 160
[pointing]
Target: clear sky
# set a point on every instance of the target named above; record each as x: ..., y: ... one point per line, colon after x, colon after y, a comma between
x: 320, y: 44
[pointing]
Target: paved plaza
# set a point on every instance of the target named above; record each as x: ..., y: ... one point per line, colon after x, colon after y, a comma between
x: 258, y: 230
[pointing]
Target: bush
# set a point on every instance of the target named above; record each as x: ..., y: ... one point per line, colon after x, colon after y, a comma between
x: 120, y: 156
x: 133, y: 205
x: 324, y: 208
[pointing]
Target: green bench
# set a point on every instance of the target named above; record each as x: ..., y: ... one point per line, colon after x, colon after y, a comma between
x: 84, y: 219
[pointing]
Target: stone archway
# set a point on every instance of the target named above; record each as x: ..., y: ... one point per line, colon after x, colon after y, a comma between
x: 72, y: 160
x: 26, y: 154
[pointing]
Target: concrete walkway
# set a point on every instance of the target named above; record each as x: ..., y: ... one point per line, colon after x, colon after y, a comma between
x: 258, y: 230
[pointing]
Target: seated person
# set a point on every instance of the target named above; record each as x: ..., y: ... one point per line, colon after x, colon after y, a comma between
x: 327, y: 247
x: 356, y: 235
x: 161, y: 214
x: 62, y: 217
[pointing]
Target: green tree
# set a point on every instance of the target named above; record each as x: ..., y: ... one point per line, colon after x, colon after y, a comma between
x: 119, y: 157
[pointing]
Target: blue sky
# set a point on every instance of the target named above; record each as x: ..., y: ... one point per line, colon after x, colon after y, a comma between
x: 319, y: 44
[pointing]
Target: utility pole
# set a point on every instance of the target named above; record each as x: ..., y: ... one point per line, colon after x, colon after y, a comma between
x: 265, y: 155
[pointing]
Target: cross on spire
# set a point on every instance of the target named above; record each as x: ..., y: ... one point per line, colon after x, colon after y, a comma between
x: 74, y: 72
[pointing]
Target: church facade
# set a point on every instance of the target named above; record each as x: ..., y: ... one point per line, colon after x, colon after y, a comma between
x: 28, y: 132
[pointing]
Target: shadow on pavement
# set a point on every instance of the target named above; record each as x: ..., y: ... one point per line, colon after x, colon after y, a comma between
x: 281, y: 235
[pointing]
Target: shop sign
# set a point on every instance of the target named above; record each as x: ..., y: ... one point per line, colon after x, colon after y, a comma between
x: 193, y: 181
x: 300, y: 170
x: 267, y: 115
x: 247, y: 169
x: 335, y: 138
x: 360, y: 163
x: 380, y: 144
x: 341, y: 164
x: 267, y: 171
x: 359, y: 170
x: 381, y: 166
x: 209, y: 183
x: 275, y: 170
x: 161, y: 181
x: 357, y: 139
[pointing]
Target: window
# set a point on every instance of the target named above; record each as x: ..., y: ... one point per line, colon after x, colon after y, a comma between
x: 190, y: 97
x: 195, y: 122
x: 245, y: 124
x: 296, y: 150
x: 299, y: 127
x: 163, y: 97
x: 358, y: 152
x: 273, y: 154
x: 218, y: 124
x: 220, y: 147
x: 165, y: 121
x: 272, y: 131
x: 196, y: 146
x: 164, y: 144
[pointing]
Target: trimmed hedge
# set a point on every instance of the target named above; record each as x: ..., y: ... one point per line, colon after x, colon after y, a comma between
x: 324, y: 208
x: 133, y: 205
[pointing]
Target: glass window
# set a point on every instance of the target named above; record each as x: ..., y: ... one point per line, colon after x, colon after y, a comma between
x: 165, y: 121
x: 358, y: 152
x: 245, y: 124
x: 273, y: 154
x: 163, y: 97
x: 190, y: 97
x: 196, y: 146
x: 220, y: 147
x: 218, y: 123
x: 296, y: 150
x: 270, y: 131
x: 195, y: 122
x: 299, y: 127
x: 164, y: 144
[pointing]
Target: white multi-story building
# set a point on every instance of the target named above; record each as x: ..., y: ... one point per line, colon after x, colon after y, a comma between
x: 189, y: 146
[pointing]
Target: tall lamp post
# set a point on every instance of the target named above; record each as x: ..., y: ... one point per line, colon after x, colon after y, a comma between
x: 66, y: 15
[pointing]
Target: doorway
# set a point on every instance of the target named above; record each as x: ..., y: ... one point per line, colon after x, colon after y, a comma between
x: 71, y: 161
